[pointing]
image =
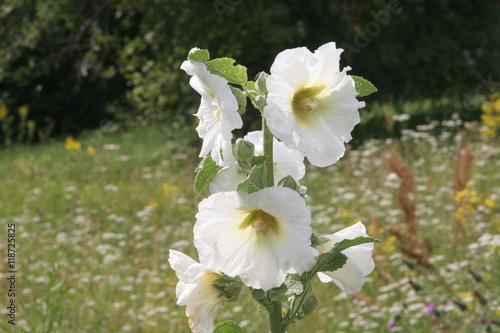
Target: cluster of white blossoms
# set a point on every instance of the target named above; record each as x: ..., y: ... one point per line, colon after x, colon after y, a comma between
x: 249, y: 229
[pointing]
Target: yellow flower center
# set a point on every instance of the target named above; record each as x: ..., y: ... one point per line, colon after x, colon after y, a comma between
x: 261, y: 221
x: 306, y: 104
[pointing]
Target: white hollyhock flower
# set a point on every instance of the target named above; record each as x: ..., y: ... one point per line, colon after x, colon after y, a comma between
x: 351, y: 277
x: 218, y: 112
x: 259, y: 237
x: 287, y: 162
x: 195, y: 291
x: 312, y: 105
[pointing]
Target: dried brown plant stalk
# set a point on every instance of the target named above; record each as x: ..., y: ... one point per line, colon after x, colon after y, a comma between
x: 462, y: 164
x: 409, y: 242
x: 406, y: 188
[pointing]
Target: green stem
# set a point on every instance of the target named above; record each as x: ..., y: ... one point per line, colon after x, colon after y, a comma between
x: 276, y: 324
x: 268, y: 151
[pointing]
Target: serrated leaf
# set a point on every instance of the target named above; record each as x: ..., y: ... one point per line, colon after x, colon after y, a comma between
x: 199, y: 55
x: 347, y: 243
x: 224, y: 68
x: 328, y: 262
x: 294, y: 284
x: 228, y: 327
x: 363, y: 87
x: 206, y: 172
x: 334, y: 259
x: 256, y: 180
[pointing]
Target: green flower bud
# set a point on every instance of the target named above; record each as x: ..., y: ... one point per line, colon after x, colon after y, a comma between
x: 260, y: 83
x: 240, y: 98
x: 243, y: 150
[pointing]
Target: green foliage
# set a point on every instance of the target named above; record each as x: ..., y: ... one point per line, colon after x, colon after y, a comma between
x: 77, y: 63
x: 224, y: 68
x: 228, y: 287
x: 364, y: 87
x: 206, y: 172
x: 228, y: 327
x: 257, y: 178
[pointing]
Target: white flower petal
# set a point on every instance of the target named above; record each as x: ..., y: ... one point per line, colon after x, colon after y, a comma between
x: 218, y: 112
x: 196, y: 292
x: 351, y: 277
x: 312, y: 105
x: 260, y: 258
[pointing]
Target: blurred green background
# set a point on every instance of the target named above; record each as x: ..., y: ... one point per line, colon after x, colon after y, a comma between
x: 79, y: 63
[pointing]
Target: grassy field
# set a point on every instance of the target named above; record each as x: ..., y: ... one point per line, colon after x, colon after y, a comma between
x: 93, y: 230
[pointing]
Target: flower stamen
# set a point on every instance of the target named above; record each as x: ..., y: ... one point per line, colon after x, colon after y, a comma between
x: 305, y: 103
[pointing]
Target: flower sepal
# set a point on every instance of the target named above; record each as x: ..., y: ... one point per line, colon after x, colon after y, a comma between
x: 228, y: 287
x: 291, y: 183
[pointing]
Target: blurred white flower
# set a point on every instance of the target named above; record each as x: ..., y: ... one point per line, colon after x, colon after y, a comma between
x: 259, y: 237
x: 312, y: 105
x: 351, y: 277
x: 287, y: 162
x: 196, y: 292
x: 218, y: 112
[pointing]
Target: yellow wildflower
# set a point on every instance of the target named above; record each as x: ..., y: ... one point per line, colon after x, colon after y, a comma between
x: 30, y: 124
x: 152, y: 205
x: 72, y: 144
x: 345, y: 214
x: 170, y: 189
x: 91, y: 150
x: 23, y: 110
x: 3, y: 111
x: 490, y: 203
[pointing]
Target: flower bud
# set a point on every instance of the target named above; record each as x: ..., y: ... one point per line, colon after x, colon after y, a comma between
x: 260, y: 83
x: 243, y: 150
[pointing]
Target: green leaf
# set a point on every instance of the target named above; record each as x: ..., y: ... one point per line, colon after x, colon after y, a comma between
x: 261, y: 309
x: 334, y: 259
x: 258, y: 160
x: 228, y: 287
x: 328, y: 262
x: 347, y: 243
x: 199, y: 55
x: 224, y: 68
x: 363, y: 87
x: 206, y: 172
x: 294, y: 284
x: 256, y: 180
x: 228, y: 327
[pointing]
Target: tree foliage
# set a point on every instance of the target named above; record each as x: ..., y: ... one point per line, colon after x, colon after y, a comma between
x: 78, y: 62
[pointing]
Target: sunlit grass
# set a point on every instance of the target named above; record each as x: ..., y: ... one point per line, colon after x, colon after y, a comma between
x: 93, y: 233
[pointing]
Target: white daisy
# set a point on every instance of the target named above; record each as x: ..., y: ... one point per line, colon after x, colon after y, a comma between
x: 312, y: 105
x: 287, y: 162
x: 259, y: 237
x: 218, y: 112
x: 196, y: 292
x: 351, y: 277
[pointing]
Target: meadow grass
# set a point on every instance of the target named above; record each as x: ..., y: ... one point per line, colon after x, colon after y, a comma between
x: 93, y: 233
